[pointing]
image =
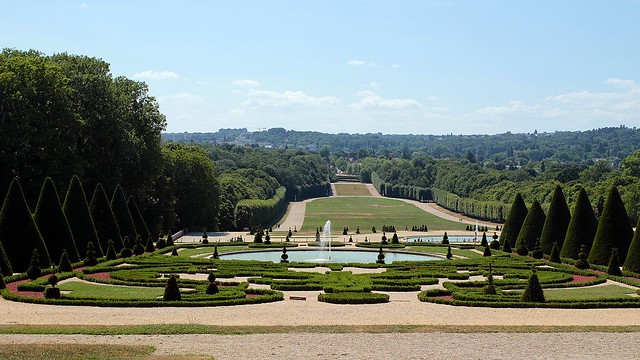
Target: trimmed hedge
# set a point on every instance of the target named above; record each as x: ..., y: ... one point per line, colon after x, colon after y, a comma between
x: 484, y: 210
x: 401, y: 191
x: 260, y: 212
x: 354, y: 298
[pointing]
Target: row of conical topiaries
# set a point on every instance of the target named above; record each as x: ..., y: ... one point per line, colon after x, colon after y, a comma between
x: 70, y: 226
x: 527, y: 228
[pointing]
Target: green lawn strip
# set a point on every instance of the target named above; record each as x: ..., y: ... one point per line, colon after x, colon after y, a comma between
x: 469, y: 254
x: 181, y: 329
x: 590, y: 293
x: 367, y: 212
x: 354, y: 189
x: 85, y: 351
x: 96, y: 291
x: 209, y: 250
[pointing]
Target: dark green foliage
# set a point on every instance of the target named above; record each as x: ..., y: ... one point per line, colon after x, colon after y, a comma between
x: 53, y: 224
x: 215, y: 252
x: 90, y: 259
x: 162, y: 241
x: 487, y: 251
x: 614, y: 264
x: 582, y: 262
x: 267, y: 238
x: 344, y: 231
x: 514, y: 221
x: 490, y: 288
x: 495, y: 245
x: 111, y: 251
x: 384, y: 238
x: 373, y: 229
x: 126, y: 251
x: 556, y: 222
x: 64, y: 265
x: 380, y: 259
x: 138, y: 220
x: 53, y: 292
x: 445, y: 239
x: 34, y: 271
x: 104, y: 219
x: 614, y: 231
x: 79, y: 217
x: 149, y: 247
x: 354, y: 298
x: 257, y: 238
x: 632, y: 262
x: 582, y: 228
x: 449, y: 254
x: 523, y: 250
x: 212, y: 288
x: 2, y: 285
x: 174, y: 252
x: 484, y: 240
x: 555, y: 254
x: 506, y: 247
x: 5, y: 266
x: 122, y: 214
x: 138, y: 249
x: 19, y: 234
x: 394, y: 239
x: 537, y: 251
x: 531, y: 227
x: 172, y: 291
x: 170, y: 239
x: 533, y: 292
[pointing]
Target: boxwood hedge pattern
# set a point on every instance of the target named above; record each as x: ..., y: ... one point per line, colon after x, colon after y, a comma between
x: 462, y: 281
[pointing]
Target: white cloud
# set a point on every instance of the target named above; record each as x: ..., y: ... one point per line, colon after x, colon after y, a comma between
x: 373, y: 101
x: 274, y: 99
x: 155, y: 75
x: 620, y: 83
x: 364, y: 93
x: 246, y: 83
x: 361, y: 63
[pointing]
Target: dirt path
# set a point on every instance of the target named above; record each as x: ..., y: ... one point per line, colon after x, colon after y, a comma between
x: 358, y: 346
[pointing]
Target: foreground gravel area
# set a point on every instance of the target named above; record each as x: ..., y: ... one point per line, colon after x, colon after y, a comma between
x: 372, y: 346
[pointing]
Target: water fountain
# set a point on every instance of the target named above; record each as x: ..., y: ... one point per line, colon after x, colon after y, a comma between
x: 325, y: 241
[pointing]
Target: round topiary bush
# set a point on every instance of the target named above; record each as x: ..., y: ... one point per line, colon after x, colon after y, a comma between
x: 149, y: 247
x: 490, y: 288
x: 582, y: 262
x: 380, y: 257
x: 126, y: 248
x: 172, y: 291
x: 138, y: 249
x: 445, y: 239
x: 384, y: 238
x: 162, y: 242
x: 537, y: 251
x: 212, y: 288
x: 53, y: 292
x: 64, y: 265
x: 522, y: 250
x: 284, y: 258
x: 90, y: 259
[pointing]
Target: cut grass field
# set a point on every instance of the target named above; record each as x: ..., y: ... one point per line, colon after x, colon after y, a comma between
x: 367, y: 212
x: 590, y: 293
x: 350, y: 189
x: 83, y: 290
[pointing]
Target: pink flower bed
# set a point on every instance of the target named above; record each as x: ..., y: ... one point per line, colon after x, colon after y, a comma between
x: 581, y: 279
x: 13, y: 287
x: 101, y: 276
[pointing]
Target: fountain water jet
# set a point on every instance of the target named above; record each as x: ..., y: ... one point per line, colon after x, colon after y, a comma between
x: 325, y: 241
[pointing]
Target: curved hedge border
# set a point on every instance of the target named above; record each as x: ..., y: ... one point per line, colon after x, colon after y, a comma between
x: 354, y: 298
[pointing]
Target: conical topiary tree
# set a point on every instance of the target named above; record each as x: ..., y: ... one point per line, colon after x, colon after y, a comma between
x: 582, y: 228
x: 514, y: 221
x: 104, y: 219
x: 490, y: 288
x: 90, y: 259
x: 53, y: 224
x: 533, y: 292
x: 614, y: 231
x: 484, y: 242
x: 487, y: 251
x: 632, y: 263
x: 556, y: 222
x: 76, y: 210
x: 532, y: 226
x: 111, y: 251
x: 138, y: 249
x: 19, y: 234
x: 394, y: 238
x: 614, y: 264
x: 64, y: 265
x: 138, y: 220
x: 449, y: 254
x: 5, y: 265
x: 122, y: 214
x: 34, y: 271
x: 506, y: 247
x: 149, y: 247
x: 126, y: 248
x: 555, y: 254
x: 172, y: 291
x: 537, y: 251
x: 169, y: 239
x: 162, y: 241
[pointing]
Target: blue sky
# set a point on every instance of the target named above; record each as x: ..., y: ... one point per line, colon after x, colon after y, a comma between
x: 428, y: 67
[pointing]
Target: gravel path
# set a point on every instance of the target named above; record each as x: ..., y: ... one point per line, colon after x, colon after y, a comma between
x: 372, y: 346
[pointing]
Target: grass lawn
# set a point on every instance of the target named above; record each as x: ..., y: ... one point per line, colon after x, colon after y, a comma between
x: 367, y: 212
x: 84, y: 351
x: 590, y: 293
x: 84, y: 290
x: 443, y: 251
x: 209, y: 250
x: 354, y: 189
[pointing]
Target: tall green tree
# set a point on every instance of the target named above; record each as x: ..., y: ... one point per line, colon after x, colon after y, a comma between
x: 122, y: 214
x: 76, y: 209
x: 514, y: 221
x: 532, y: 226
x: 138, y: 220
x: 632, y: 263
x: 18, y: 232
x: 582, y: 228
x: 614, y: 231
x: 104, y: 219
x: 53, y: 224
x: 556, y: 222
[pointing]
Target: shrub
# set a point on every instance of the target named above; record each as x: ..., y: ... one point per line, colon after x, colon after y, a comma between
x: 172, y: 291
x: 284, y: 258
x: 64, y: 265
x: 111, y: 251
x: 53, y: 292
x: 449, y: 254
x: 484, y: 240
x: 555, y: 254
x: 90, y: 259
x: 2, y: 285
x: 614, y: 264
x: 169, y: 239
x: 162, y: 241
x: 212, y: 288
x: 34, y: 271
x: 394, y: 239
x: 373, y: 229
x: 514, y: 221
x: 582, y: 228
x: 531, y: 227
x: 490, y: 288
x: 354, y: 298
x: 344, y: 231
x: 556, y: 223
x: 76, y: 210
x: 174, y: 252
x: 257, y: 238
x: 487, y: 251
x: 126, y: 248
x: 582, y: 262
x: 104, y: 219
x: 507, y: 247
x: 138, y: 249
x: 614, y: 230
x: 267, y: 238
x: 149, y: 248
x: 384, y: 238
x: 215, y: 252
x: 632, y: 263
x: 445, y: 239
x: 533, y: 292
x: 537, y: 251
x: 495, y: 245
x: 522, y: 250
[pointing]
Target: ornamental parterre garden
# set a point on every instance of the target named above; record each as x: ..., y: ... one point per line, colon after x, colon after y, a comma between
x: 164, y: 273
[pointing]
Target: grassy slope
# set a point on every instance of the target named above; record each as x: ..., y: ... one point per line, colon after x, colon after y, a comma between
x: 367, y: 212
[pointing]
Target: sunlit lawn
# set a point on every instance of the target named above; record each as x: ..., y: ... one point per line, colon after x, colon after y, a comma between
x: 209, y: 250
x: 87, y: 290
x: 469, y: 254
x: 589, y: 293
x: 354, y: 189
x: 367, y: 212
